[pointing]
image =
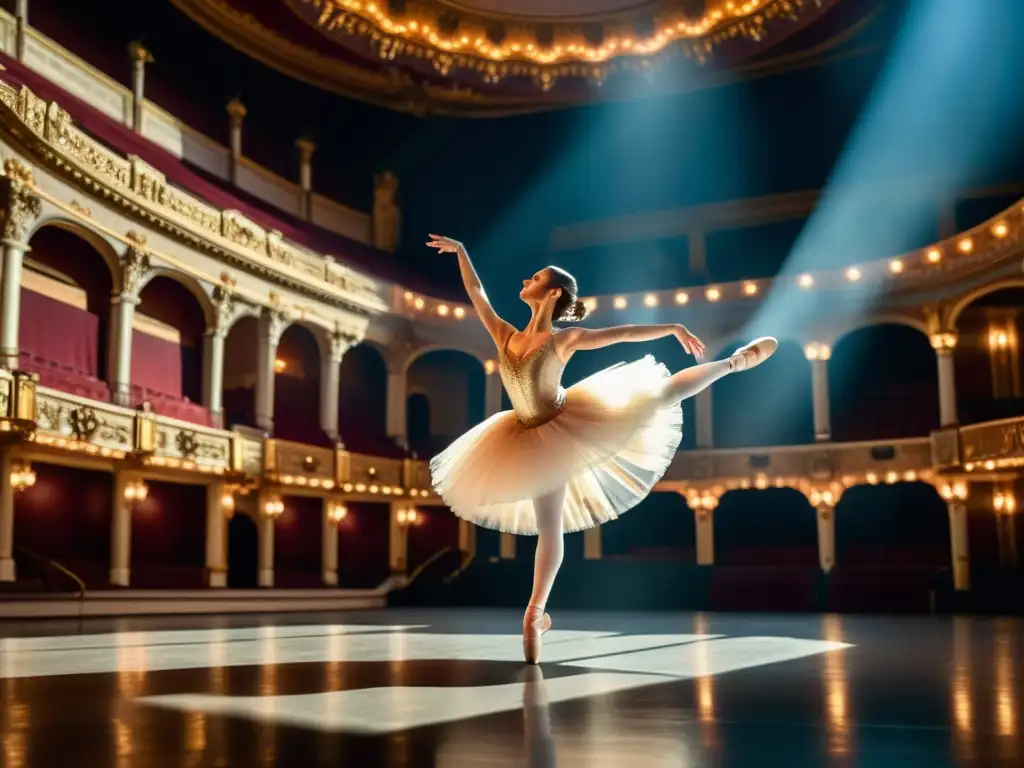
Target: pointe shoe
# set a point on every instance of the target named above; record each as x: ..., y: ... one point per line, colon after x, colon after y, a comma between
x: 753, y: 354
x: 534, y: 628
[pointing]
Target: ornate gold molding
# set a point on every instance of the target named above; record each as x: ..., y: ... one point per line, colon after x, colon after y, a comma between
x: 144, y: 192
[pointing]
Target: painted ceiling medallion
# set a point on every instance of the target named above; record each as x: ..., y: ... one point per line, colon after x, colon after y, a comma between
x: 499, y: 57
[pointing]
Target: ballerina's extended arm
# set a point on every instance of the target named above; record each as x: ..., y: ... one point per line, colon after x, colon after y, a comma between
x: 495, y: 326
x: 585, y: 338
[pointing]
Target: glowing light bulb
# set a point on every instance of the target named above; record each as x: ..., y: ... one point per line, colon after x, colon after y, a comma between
x: 651, y: 300
x: 619, y: 302
x: 713, y: 294
x: 896, y: 266
x: 750, y: 289
x: 966, y: 245
x: 682, y: 297
x: 1001, y: 229
x: 934, y: 255
x: 806, y: 281
x: 853, y: 274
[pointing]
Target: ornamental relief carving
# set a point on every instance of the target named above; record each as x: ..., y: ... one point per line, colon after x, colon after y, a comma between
x: 135, y: 267
x: 23, y: 207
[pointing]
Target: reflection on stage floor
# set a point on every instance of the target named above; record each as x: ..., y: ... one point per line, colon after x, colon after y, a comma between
x: 444, y: 688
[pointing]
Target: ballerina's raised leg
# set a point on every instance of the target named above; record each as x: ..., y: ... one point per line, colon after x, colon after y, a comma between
x: 548, y: 509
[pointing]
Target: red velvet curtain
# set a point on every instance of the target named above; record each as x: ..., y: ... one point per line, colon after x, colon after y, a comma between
x: 156, y: 364
x: 59, y: 333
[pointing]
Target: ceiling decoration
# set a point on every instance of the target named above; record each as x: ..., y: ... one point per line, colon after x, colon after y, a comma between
x: 488, y: 57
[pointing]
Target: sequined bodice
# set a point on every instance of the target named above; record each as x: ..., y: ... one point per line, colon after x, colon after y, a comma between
x: 534, y: 383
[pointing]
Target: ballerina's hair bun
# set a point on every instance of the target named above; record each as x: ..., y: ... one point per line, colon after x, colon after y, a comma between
x: 576, y: 312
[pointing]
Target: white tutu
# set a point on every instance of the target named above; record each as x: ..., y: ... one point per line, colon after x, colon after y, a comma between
x: 611, y: 442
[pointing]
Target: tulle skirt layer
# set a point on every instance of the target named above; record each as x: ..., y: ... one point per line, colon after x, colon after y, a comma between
x: 610, y: 444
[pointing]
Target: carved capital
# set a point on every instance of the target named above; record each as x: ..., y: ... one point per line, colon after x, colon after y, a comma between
x: 134, y: 265
x: 227, y: 308
x: 276, y: 323
x: 23, y: 207
x: 340, y: 343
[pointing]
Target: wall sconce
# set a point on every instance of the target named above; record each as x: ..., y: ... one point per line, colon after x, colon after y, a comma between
x: 22, y: 477
x: 336, y: 512
x: 135, y: 490
x: 943, y: 341
x: 1004, y: 503
x: 955, y: 491
x: 490, y: 367
x: 273, y: 508
x: 408, y: 517
x: 227, y: 504
x: 998, y: 339
x: 280, y: 365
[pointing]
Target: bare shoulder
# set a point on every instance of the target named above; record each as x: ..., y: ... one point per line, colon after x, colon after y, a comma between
x: 567, y: 339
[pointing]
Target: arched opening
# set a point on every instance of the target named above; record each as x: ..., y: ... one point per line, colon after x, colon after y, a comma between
x: 363, y: 541
x: 363, y: 402
x: 297, y: 543
x: 883, y: 384
x: 297, y: 387
x: 66, y: 286
x: 892, y: 547
x: 418, y: 415
x: 65, y: 517
x: 769, y: 405
x: 169, y: 537
x: 243, y: 552
x: 452, y: 383
x: 436, y: 529
x: 659, y: 528
x: 988, y: 361
x: 766, y: 551
x: 167, y: 351
x: 240, y: 348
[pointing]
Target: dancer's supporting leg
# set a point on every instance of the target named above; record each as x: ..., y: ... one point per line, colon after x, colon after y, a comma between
x: 550, y: 549
x: 689, y: 381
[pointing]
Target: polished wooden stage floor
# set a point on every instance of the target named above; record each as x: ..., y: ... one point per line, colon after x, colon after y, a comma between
x: 446, y: 689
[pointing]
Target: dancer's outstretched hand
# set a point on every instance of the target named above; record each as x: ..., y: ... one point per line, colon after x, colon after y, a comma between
x: 690, y: 343
x: 444, y: 244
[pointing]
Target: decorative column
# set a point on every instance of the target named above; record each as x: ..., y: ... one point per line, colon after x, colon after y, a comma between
x: 819, y: 354
x: 824, y: 503
x: 271, y: 325
x: 21, y: 211
x: 703, y: 504
x: 955, y: 494
x: 7, y: 571
x: 330, y: 381
x: 592, y: 543
x: 944, y: 344
x: 21, y: 24
x: 236, y: 116
x: 467, y: 538
x: 333, y: 513
x: 507, y: 546
x: 702, y: 406
x: 140, y: 58
x: 398, y: 537
x: 213, y: 355
x: 220, y: 506
x: 128, y: 489
x: 270, y: 508
x: 398, y: 396
x: 134, y: 268
x: 306, y: 149
x: 697, y: 254
x: 387, y: 216
x: 492, y: 389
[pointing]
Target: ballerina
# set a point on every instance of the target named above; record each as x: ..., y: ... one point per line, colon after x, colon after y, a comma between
x: 568, y: 459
